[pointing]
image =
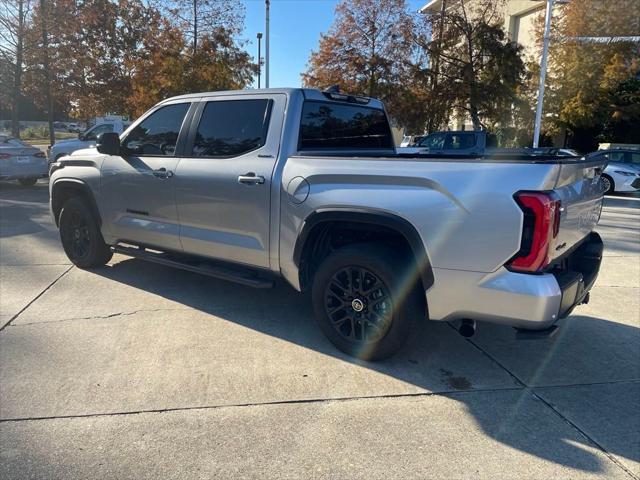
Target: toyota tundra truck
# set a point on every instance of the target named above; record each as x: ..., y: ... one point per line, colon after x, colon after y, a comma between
x: 306, y: 186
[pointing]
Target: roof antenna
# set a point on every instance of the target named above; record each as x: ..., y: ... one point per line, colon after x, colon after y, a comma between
x: 333, y: 89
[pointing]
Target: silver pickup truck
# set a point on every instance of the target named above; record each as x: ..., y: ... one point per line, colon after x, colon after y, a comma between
x: 307, y: 186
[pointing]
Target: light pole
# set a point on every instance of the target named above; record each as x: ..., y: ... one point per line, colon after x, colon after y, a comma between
x: 266, y: 44
x: 543, y: 72
x: 259, y: 36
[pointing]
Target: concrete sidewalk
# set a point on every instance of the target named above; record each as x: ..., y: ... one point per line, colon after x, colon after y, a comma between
x: 140, y: 371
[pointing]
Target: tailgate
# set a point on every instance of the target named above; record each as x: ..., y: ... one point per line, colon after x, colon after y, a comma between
x: 581, y: 194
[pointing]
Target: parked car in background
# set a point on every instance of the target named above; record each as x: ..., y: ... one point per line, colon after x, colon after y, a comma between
x: 254, y: 185
x: 457, y: 142
x: 73, y: 128
x: 60, y: 126
x: 20, y: 161
x: 622, y: 173
x: 85, y: 140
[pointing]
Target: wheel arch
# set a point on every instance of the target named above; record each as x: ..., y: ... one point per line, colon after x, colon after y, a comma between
x: 319, y: 221
x: 66, y: 188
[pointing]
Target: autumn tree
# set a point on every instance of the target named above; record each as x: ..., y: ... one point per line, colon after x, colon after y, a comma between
x: 14, y: 22
x: 123, y: 56
x: 166, y: 65
x: 480, y: 69
x: 592, y: 81
x: 203, y: 19
x: 366, y: 52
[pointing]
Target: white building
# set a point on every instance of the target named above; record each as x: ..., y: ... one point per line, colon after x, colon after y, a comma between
x: 519, y: 19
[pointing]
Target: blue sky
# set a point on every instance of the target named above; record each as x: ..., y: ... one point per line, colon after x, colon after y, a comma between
x: 295, y: 31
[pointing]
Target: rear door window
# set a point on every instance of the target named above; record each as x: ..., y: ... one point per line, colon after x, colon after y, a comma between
x: 327, y: 125
x: 229, y: 128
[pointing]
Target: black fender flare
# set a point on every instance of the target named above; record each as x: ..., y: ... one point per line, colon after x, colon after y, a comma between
x: 372, y: 217
x: 74, y: 184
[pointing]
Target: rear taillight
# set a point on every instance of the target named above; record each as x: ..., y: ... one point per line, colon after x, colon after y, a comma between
x: 40, y: 155
x: 541, y: 225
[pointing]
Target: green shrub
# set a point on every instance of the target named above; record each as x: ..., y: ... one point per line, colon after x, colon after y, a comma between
x: 40, y: 131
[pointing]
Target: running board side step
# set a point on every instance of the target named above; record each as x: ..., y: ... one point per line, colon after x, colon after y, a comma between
x: 243, y: 276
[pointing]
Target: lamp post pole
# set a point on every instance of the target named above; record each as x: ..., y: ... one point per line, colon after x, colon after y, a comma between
x: 259, y: 36
x: 543, y: 72
x: 266, y: 44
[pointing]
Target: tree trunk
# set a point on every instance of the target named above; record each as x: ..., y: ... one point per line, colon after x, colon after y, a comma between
x: 195, y: 25
x: 471, y: 78
x: 433, y: 122
x: 17, y: 73
x: 47, y: 70
x: 475, y: 118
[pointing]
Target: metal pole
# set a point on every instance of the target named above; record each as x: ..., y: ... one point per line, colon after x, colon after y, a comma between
x: 543, y: 72
x: 259, y: 59
x: 266, y: 44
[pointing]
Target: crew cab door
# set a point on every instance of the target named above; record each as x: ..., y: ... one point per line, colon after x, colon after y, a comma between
x: 138, y: 191
x: 223, y: 181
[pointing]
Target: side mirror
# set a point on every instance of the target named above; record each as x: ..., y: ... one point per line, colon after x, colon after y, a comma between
x: 108, y: 143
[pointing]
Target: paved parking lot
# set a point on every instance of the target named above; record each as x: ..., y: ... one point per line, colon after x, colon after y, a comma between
x: 140, y: 371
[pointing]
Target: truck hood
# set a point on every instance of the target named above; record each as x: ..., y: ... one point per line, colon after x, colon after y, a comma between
x: 74, y: 142
x: 92, y: 151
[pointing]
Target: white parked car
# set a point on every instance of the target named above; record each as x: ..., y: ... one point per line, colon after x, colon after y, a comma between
x: 85, y: 140
x: 20, y: 161
x: 622, y: 173
x: 410, y: 140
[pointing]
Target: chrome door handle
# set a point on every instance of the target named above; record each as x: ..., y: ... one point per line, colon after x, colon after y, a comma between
x: 162, y: 173
x: 251, y: 179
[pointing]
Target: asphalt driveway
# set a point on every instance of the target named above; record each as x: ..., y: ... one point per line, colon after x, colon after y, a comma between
x: 140, y: 371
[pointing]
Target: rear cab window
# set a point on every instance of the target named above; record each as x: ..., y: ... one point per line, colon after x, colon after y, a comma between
x: 460, y: 141
x: 337, y: 126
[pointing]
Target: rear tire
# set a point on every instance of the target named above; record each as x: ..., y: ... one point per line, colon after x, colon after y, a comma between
x: 28, y: 182
x: 366, y: 301
x: 608, y: 184
x: 81, y: 237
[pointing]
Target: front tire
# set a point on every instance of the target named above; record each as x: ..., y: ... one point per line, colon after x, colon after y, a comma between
x: 81, y: 237
x: 28, y: 182
x: 366, y: 300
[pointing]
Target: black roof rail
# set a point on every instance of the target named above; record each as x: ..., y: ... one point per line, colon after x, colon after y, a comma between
x: 333, y: 92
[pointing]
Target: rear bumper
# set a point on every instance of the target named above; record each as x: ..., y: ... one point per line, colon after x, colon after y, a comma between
x: 519, y: 300
x: 36, y: 169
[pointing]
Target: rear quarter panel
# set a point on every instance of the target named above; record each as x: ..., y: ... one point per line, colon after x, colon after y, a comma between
x: 464, y: 211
